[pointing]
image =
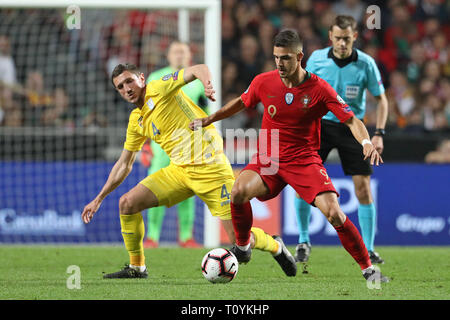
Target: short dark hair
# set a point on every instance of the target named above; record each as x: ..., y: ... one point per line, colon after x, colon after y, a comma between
x: 288, y: 38
x: 120, y: 68
x: 343, y: 22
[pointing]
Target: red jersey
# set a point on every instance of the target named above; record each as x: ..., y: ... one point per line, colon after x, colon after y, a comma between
x: 292, y: 115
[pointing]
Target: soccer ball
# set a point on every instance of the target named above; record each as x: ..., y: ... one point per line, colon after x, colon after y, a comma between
x: 219, y: 266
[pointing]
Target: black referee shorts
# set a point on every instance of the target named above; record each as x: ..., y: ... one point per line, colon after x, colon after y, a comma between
x: 338, y: 135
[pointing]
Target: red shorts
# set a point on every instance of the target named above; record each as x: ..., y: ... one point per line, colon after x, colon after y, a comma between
x: 308, y: 180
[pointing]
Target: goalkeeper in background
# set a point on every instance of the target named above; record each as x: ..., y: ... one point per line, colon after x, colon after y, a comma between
x: 179, y: 57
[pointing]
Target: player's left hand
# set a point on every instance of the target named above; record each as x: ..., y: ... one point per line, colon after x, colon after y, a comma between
x: 209, y: 91
x: 377, y: 142
x: 89, y: 210
x: 371, y: 153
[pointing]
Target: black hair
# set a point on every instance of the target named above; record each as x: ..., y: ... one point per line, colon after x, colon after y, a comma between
x: 343, y: 22
x: 120, y: 68
x: 288, y: 38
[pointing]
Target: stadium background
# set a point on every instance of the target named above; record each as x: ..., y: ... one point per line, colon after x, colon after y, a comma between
x: 62, y: 124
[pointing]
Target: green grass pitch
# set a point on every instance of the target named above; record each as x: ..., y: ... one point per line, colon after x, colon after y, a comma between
x: 40, y: 272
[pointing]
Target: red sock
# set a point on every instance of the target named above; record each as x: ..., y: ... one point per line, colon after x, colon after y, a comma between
x: 242, y: 217
x: 353, y: 243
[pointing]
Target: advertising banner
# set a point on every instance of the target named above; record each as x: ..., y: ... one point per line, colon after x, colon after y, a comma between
x: 43, y: 201
x: 412, y: 200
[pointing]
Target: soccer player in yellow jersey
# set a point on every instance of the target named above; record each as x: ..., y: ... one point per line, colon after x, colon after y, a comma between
x: 198, y: 165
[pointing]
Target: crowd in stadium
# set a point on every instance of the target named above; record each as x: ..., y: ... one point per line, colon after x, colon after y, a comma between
x: 410, y: 48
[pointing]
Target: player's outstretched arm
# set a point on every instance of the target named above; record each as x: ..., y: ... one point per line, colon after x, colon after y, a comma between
x: 118, y: 173
x: 234, y: 106
x: 382, y: 114
x: 201, y: 72
x: 360, y: 133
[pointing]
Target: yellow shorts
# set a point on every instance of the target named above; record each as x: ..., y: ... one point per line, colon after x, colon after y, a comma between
x: 210, y: 182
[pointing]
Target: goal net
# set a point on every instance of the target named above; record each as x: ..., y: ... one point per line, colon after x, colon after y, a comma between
x: 62, y: 125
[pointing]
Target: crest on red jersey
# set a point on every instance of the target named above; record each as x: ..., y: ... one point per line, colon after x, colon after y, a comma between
x: 289, y: 97
x: 306, y: 100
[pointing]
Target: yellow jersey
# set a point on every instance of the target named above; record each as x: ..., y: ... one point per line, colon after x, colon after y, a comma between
x: 165, y: 118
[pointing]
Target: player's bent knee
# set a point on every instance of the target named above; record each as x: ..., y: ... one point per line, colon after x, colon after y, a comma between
x: 335, y: 216
x: 125, y: 205
x: 238, y: 194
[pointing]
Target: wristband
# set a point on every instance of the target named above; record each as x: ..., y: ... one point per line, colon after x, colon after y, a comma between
x: 379, y: 132
x: 365, y: 141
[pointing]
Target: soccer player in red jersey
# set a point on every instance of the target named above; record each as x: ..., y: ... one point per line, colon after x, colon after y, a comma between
x: 294, y: 102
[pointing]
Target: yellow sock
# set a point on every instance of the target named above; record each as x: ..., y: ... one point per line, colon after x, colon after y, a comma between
x: 133, y: 231
x: 264, y: 242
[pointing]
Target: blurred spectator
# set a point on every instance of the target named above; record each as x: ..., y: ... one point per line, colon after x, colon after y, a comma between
x: 305, y: 7
x: 445, y: 95
x: 323, y: 23
x: 432, y: 70
x: 265, y: 37
x: 354, y: 8
x: 121, y: 48
x: 57, y: 114
x: 229, y: 38
x: 431, y: 8
x: 439, y: 49
x: 230, y: 82
x: 94, y: 120
x: 434, y: 117
x: 37, y: 99
x: 305, y: 26
x: 248, y: 16
x: 7, y: 80
x: 399, y: 37
x: 288, y: 19
x: 400, y: 96
x: 441, y: 154
x: 7, y: 67
x: 414, y: 68
x: 250, y: 59
x: 43, y: 108
x: 272, y: 12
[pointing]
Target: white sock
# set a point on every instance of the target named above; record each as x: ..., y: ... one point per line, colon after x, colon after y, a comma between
x: 368, y: 269
x: 138, y: 268
x: 244, y: 248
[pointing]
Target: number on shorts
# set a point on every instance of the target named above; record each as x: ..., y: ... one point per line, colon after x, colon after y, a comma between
x: 224, y: 193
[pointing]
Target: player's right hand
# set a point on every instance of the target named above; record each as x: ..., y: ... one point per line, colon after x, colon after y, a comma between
x: 371, y: 153
x: 89, y: 210
x: 199, y: 123
x: 209, y: 91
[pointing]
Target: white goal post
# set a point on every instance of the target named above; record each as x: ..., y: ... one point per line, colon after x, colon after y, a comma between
x: 212, y: 44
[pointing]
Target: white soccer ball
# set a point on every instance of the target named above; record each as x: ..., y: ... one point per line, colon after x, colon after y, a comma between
x: 219, y: 266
